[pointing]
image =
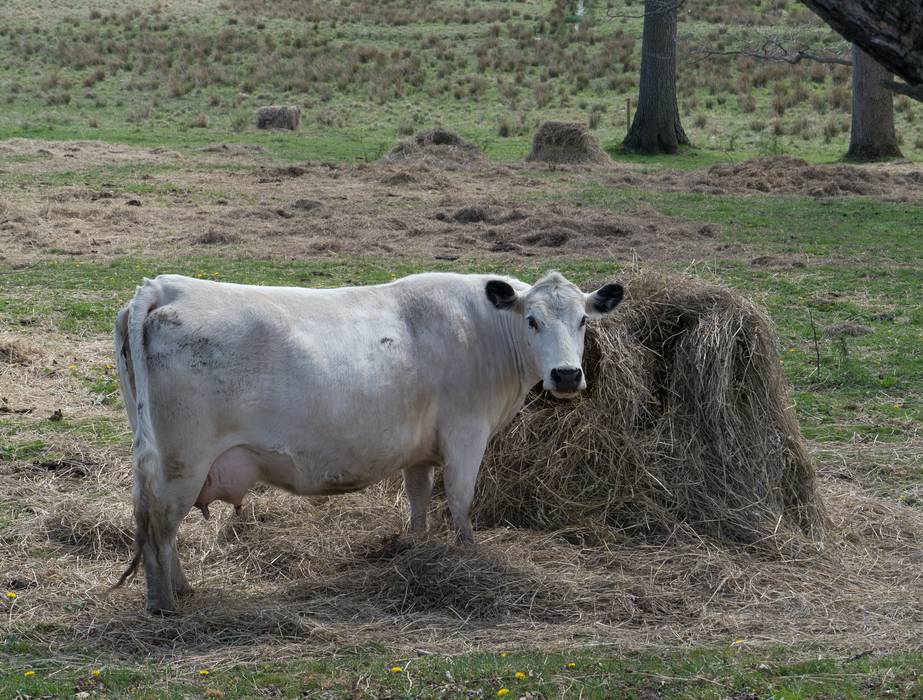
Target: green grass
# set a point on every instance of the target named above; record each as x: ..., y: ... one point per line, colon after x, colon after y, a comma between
x: 847, y: 227
x: 589, y: 673
x: 145, y: 77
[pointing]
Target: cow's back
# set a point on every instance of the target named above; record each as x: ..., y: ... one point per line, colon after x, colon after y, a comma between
x: 359, y: 374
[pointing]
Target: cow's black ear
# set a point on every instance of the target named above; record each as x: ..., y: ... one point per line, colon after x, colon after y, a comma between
x: 501, y: 294
x: 606, y: 298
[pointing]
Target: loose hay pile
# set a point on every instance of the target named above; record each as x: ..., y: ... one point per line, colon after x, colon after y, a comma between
x: 438, y: 147
x: 565, y: 143
x: 686, y: 426
x: 787, y: 175
x: 278, y: 117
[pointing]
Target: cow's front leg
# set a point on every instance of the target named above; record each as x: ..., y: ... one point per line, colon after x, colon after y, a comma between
x: 418, y: 483
x: 463, y: 452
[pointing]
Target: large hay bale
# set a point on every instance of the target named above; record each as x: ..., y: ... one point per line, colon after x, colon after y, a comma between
x: 436, y: 146
x: 565, y: 142
x: 278, y: 117
x: 686, y: 426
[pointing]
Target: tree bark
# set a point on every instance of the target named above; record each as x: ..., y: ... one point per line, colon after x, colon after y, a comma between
x: 891, y: 31
x: 656, y: 127
x: 872, y: 136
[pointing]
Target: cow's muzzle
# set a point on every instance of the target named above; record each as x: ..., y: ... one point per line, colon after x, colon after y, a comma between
x: 566, y: 381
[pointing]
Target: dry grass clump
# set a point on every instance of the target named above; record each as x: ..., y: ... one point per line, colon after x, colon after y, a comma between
x: 565, y: 143
x: 14, y: 351
x: 686, y: 426
x: 436, y: 147
x: 787, y: 175
x: 278, y: 117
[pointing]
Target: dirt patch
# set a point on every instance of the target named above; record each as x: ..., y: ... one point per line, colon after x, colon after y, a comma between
x: 846, y: 328
x: 437, y: 148
x: 300, y: 211
x: 217, y: 238
x: 244, y: 150
x: 565, y: 143
x: 786, y: 175
x: 56, y: 156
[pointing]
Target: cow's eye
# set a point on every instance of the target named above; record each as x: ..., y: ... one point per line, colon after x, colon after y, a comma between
x: 583, y: 321
x: 533, y: 324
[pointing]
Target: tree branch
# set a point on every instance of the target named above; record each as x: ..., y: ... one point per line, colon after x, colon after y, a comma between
x: 773, y: 51
x: 890, y: 31
x: 914, y: 91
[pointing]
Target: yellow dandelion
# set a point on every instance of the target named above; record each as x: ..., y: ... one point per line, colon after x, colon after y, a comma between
x: 95, y: 673
x: 203, y: 672
x: 109, y: 366
x: 520, y: 675
x: 571, y: 665
x: 791, y: 349
x: 29, y: 674
x: 504, y: 654
x: 502, y: 692
x: 11, y: 595
x: 738, y: 642
x: 396, y: 669
x: 72, y: 366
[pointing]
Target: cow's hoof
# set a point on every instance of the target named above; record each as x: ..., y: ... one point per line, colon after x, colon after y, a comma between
x: 159, y: 609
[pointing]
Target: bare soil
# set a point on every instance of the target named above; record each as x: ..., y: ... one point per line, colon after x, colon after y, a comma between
x: 302, y: 211
x: 232, y: 199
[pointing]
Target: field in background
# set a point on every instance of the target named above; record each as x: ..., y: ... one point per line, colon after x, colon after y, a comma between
x: 186, y: 74
x: 834, y: 255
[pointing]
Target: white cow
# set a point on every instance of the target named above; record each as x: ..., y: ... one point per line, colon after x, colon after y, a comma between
x: 324, y: 391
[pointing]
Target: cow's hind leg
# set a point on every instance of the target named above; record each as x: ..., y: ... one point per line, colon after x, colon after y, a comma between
x: 463, y: 452
x: 418, y: 483
x: 158, y: 523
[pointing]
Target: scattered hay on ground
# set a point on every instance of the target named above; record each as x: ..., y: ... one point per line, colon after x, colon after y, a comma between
x: 436, y: 147
x: 15, y: 351
x: 848, y: 328
x: 686, y: 426
x: 565, y: 143
x: 217, y: 237
x: 302, y: 577
x: 278, y: 117
x: 787, y: 175
x: 234, y: 149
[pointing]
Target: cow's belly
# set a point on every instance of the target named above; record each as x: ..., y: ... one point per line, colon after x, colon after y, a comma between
x: 315, y: 463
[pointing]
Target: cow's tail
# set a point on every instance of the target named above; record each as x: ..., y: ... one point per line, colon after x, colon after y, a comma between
x: 131, y: 360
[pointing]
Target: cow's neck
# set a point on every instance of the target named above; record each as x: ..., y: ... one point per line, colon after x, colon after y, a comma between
x: 517, y: 372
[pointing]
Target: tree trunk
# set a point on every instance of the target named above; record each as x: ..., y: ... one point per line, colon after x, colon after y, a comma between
x: 872, y: 136
x: 891, y: 31
x: 656, y: 127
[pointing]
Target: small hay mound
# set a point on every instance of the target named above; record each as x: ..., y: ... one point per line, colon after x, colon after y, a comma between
x: 278, y: 117
x: 439, y: 147
x: 686, y: 426
x: 565, y: 143
x: 14, y: 351
x: 103, y: 531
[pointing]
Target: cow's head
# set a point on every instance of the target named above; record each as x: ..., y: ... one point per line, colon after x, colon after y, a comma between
x: 555, y: 313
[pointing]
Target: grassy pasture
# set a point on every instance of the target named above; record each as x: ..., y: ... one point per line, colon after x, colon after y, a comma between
x: 177, y: 76
x: 364, y: 73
